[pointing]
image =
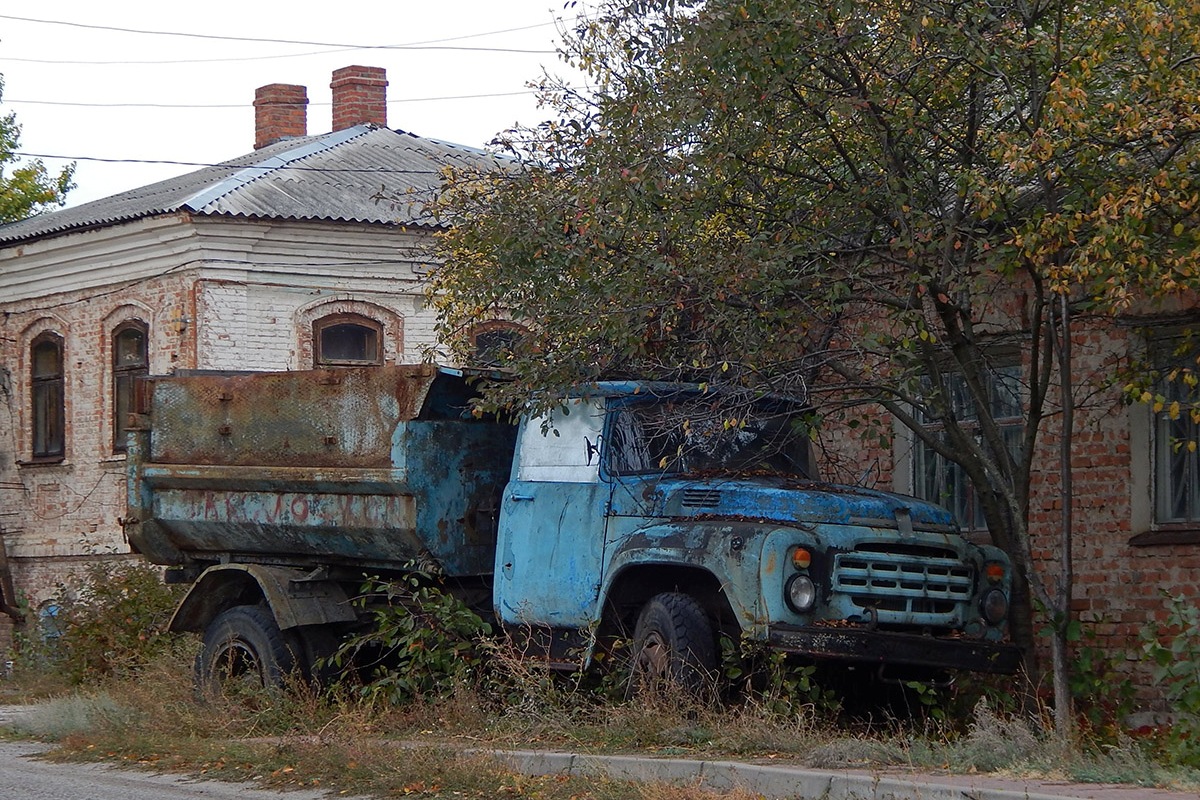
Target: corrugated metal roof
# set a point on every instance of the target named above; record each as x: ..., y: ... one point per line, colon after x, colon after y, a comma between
x: 360, y: 174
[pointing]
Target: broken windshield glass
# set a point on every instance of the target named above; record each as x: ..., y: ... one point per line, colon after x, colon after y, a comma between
x: 693, y: 435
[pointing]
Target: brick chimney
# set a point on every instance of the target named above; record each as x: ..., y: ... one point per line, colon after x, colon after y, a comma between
x: 280, y: 112
x: 359, y: 96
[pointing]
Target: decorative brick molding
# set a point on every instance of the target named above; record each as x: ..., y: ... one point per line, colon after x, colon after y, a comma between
x: 392, y: 324
x: 22, y: 383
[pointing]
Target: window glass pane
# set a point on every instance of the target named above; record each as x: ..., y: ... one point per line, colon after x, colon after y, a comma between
x: 1005, y: 392
x: 963, y: 404
x: 130, y: 348
x: 492, y: 346
x: 47, y: 419
x: 1177, y: 471
x: 348, y: 342
x: 47, y: 359
x: 123, y: 406
x: 942, y: 481
x: 1176, y: 485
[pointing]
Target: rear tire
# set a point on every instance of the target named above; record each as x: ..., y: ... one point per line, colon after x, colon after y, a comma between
x: 673, y: 648
x: 243, y: 650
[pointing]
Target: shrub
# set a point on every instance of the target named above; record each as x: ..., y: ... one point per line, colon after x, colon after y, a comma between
x: 110, y: 622
x: 775, y: 683
x: 1103, y: 695
x: 422, y: 641
x: 1174, y: 649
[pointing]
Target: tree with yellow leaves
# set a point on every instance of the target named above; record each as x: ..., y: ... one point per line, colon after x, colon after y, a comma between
x: 865, y: 202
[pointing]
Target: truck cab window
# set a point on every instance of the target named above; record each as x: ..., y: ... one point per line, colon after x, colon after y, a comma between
x: 692, y: 435
x: 562, y: 447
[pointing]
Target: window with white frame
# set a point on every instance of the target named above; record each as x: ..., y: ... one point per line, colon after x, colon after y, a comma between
x: 939, y: 479
x: 1174, y: 355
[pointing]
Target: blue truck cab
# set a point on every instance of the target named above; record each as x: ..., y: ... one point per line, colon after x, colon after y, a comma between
x: 657, y: 513
x: 641, y: 490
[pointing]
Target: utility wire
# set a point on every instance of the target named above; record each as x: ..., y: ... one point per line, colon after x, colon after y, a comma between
x: 256, y: 40
x: 232, y: 59
x: 247, y: 106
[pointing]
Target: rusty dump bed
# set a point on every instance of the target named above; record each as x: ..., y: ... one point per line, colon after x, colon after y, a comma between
x: 367, y: 467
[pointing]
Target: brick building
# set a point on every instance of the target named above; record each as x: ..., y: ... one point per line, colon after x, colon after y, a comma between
x: 1136, y: 483
x: 308, y: 251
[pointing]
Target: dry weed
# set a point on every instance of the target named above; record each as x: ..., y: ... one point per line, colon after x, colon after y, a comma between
x: 995, y: 741
x: 664, y: 791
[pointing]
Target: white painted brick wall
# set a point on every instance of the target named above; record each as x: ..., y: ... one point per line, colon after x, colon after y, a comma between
x: 204, y: 316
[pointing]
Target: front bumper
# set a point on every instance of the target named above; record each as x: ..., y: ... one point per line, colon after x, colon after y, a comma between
x: 888, y: 647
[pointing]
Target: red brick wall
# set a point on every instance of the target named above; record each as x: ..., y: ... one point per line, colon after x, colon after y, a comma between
x: 72, y: 508
x: 1119, y: 587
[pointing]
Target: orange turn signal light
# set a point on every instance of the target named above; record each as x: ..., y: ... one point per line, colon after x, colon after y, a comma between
x: 994, y: 572
x: 801, y: 558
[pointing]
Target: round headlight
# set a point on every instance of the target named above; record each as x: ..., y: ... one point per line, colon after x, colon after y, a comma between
x: 994, y: 606
x: 801, y: 593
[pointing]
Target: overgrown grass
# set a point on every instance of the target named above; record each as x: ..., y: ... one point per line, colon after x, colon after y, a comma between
x: 302, y: 737
x: 136, y: 706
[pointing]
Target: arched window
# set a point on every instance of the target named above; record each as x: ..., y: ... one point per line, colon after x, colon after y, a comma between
x: 47, y: 397
x: 494, y: 341
x: 130, y: 361
x: 347, y: 340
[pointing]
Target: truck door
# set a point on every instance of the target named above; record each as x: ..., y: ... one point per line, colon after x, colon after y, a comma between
x: 550, y: 547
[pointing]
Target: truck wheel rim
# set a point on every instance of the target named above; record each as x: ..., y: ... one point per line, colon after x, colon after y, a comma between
x: 654, y: 658
x: 236, y: 664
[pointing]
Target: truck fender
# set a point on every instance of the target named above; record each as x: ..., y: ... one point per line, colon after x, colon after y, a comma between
x: 293, y: 595
x: 726, y: 552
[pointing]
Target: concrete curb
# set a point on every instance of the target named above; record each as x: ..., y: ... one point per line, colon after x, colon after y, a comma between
x: 811, y: 784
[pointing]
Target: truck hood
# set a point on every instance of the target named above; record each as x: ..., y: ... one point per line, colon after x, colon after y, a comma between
x: 783, y: 500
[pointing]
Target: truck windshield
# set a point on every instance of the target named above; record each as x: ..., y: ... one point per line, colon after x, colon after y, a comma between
x: 693, y: 436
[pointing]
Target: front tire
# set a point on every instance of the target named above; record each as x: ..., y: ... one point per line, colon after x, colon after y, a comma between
x: 243, y: 649
x: 673, y: 648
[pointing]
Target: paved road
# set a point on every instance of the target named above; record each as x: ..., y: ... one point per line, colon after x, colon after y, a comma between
x: 23, y: 776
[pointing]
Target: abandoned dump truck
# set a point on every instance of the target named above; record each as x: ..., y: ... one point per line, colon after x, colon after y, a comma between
x: 631, y: 510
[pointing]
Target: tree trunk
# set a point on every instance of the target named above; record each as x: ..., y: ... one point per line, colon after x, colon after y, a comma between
x: 1064, y: 717
x: 8, y: 597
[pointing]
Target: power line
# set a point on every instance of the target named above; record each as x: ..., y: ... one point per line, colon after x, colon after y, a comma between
x: 246, y: 105
x: 210, y: 36
x: 234, y: 59
x: 62, y: 62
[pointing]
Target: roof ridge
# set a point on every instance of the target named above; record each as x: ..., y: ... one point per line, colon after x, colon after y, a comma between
x: 479, y: 151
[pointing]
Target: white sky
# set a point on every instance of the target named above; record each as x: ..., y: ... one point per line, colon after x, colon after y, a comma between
x: 50, y: 90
